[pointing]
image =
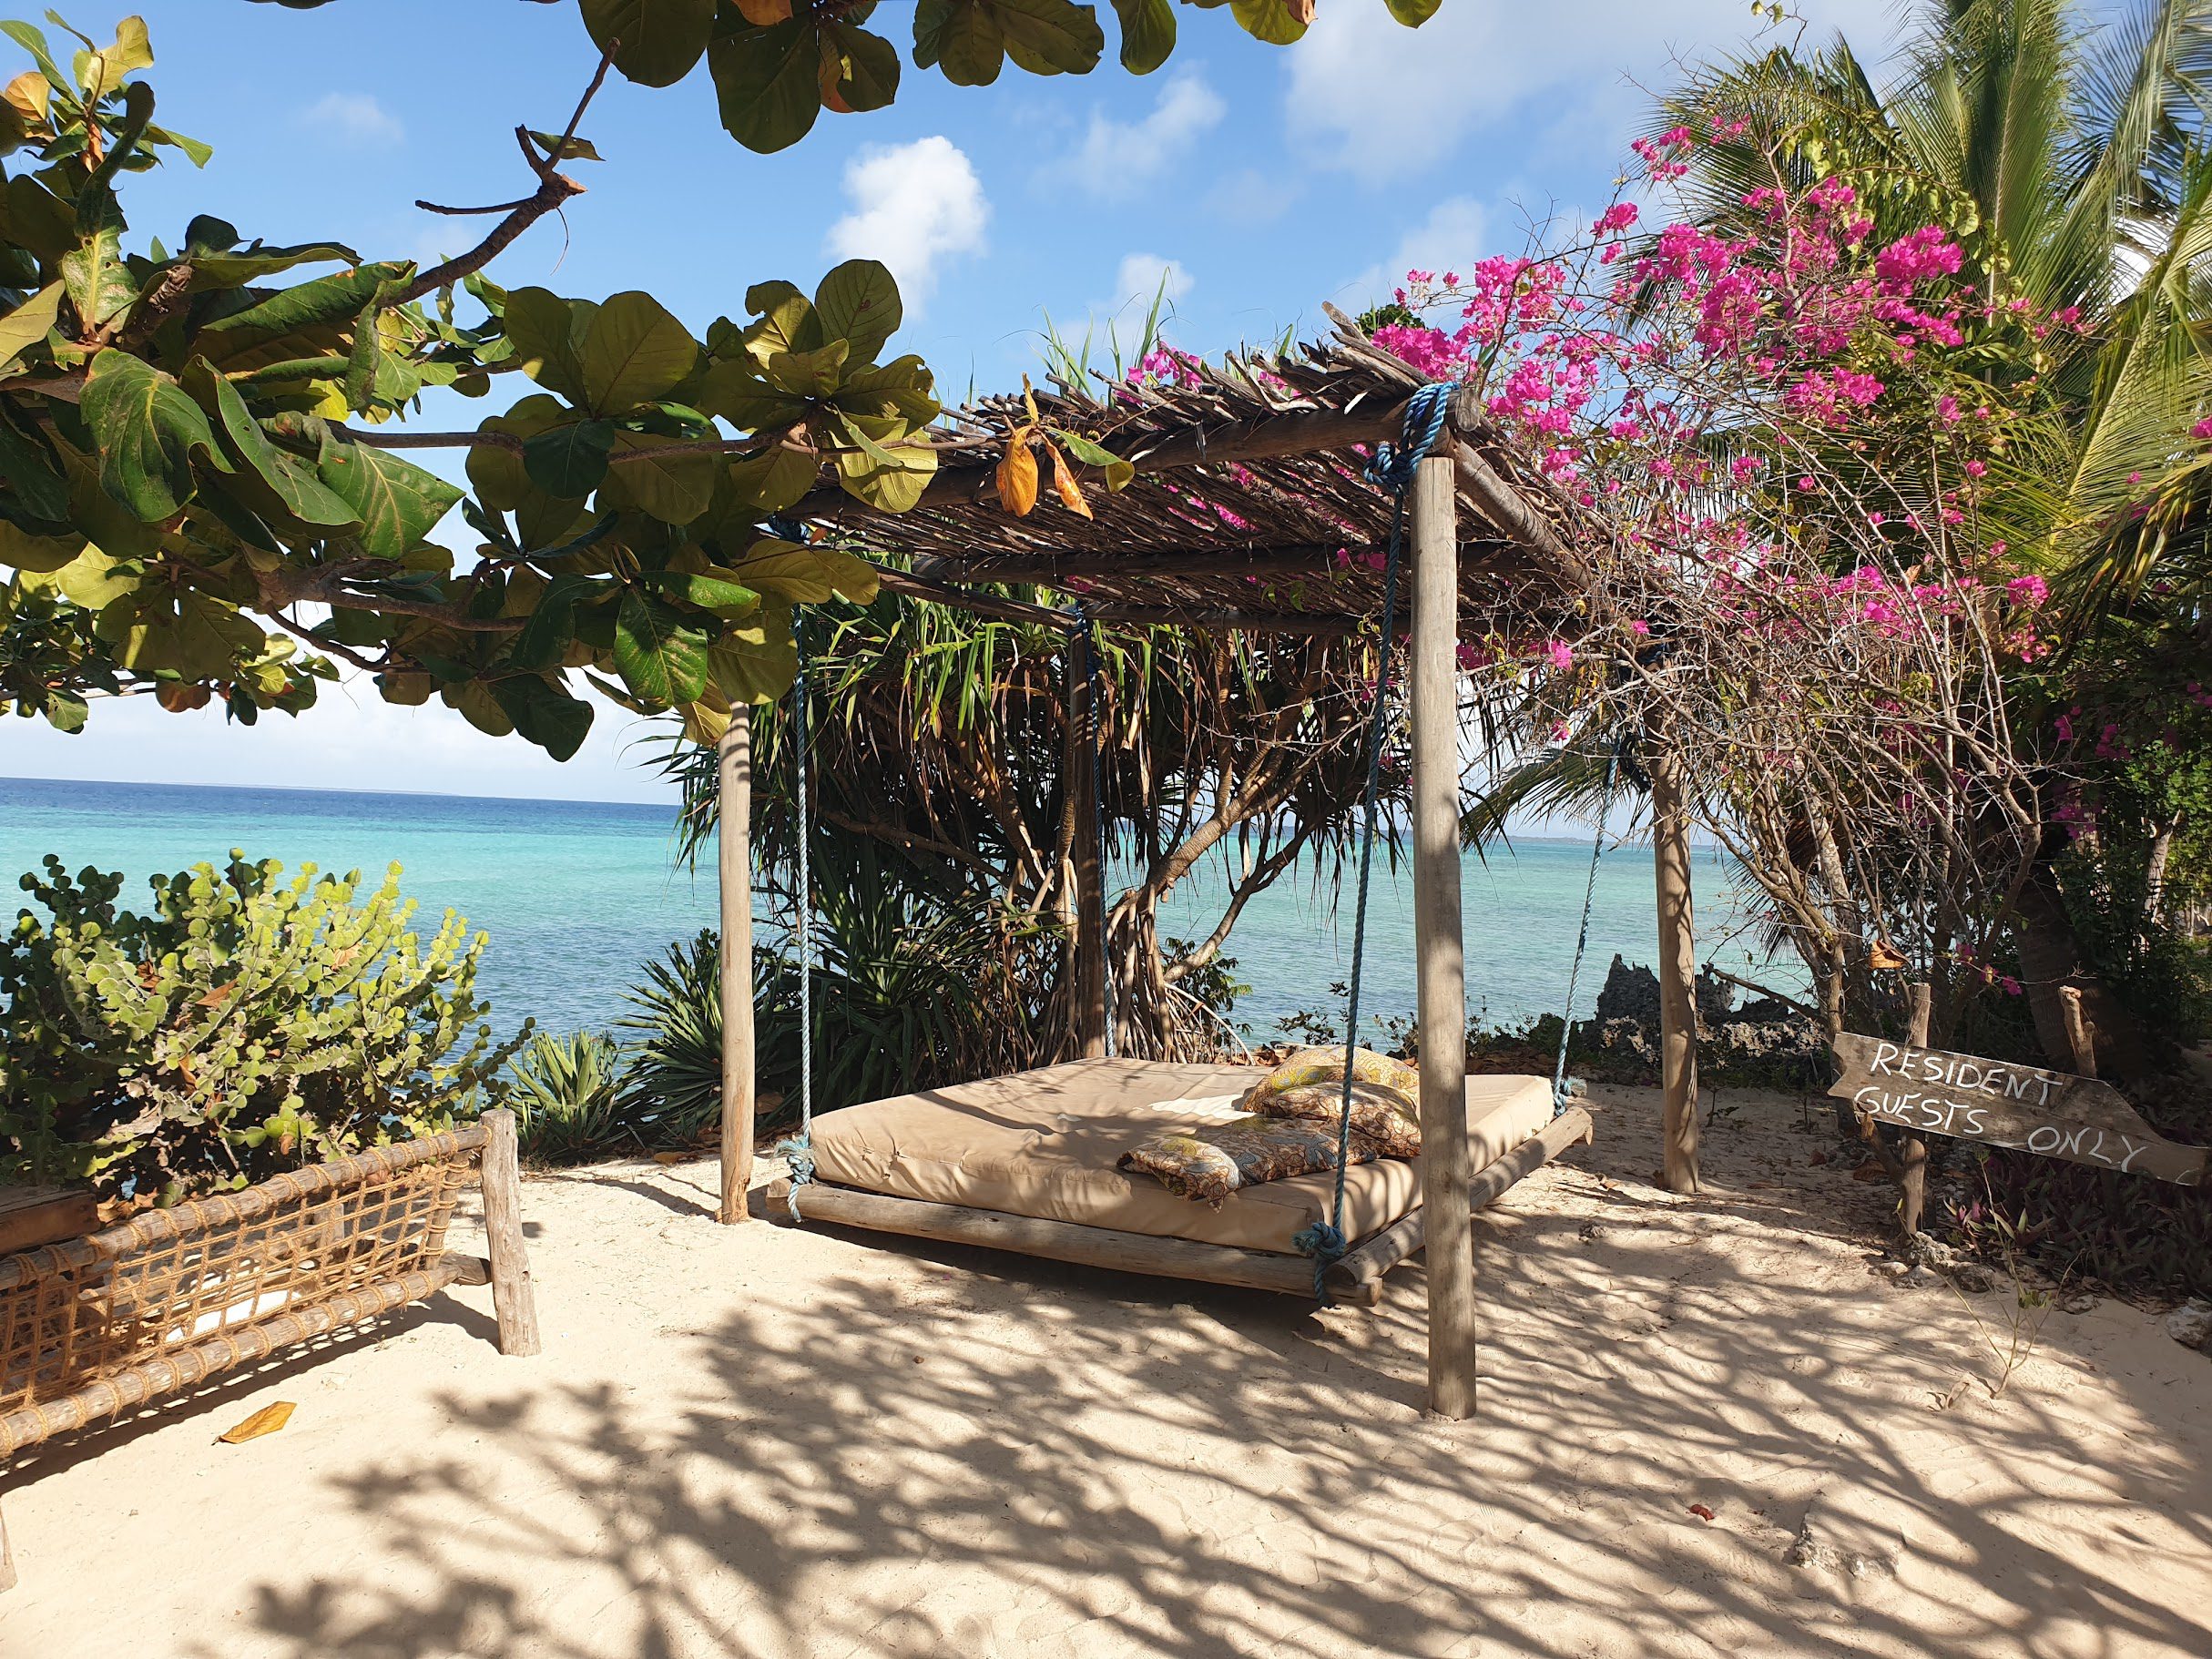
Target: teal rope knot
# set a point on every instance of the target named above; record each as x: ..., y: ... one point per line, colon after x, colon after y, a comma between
x: 799, y: 1154
x: 1393, y: 464
x: 1325, y: 1243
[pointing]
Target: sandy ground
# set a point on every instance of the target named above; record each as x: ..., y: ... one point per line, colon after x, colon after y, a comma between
x: 758, y: 1442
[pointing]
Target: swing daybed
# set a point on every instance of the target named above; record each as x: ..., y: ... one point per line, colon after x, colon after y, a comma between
x: 1027, y: 1164
x: 1259, y: 495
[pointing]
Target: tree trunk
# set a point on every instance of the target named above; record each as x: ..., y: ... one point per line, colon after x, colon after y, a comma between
x: 2051, y: 958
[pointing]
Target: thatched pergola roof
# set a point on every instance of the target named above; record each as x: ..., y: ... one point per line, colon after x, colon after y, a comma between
x: 1248, y: 508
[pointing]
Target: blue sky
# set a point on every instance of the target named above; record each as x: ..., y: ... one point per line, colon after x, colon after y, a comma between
x: 1261, y: 180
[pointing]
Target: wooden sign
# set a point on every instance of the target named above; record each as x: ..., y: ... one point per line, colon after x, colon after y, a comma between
x: 2056, y: 1114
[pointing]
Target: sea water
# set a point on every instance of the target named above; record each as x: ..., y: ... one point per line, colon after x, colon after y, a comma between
x: 576, y: 895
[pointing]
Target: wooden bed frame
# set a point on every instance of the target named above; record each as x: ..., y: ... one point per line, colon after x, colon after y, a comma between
x: 100, y: 1323
x: 1356, y: 1278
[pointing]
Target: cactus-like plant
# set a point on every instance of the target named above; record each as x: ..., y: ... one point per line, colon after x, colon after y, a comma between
x: 244, y: 1024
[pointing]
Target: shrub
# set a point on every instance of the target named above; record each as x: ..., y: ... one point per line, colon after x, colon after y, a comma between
x: 563, y: 1094
x: 241, y: 1025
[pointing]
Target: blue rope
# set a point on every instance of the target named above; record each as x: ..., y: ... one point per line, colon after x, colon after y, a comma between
x: 1091, y: 668
x: 800, y: 1149
x: 1581, y: 940
x: 1393, y: 469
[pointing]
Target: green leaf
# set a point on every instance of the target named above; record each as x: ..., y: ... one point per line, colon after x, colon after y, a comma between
x: 297, y: 489
x: 39, y: 220
x: 659, y: 652
x: 569, y: 459
x: 1272, y: 21
x: 66, y: 711
x: 93, y: 579
x: 1051, y: 36
x: 552, y: 621
x: 274, y: 325
x: 31, y: 475
x: 548, y: 333
x: 891, y: 480
x: 717, y: 591
x: 197, y: 151
x: 40, y: 555
x: 1413, y: 12
x: 768, y: 83
x: 34, y: 41
x: 1148, y: 34
x: 398, y: 502
x: 735, y: 391
x: 132, y: 49
x: 868, y: 67
x: 544, y: 713
x: 556, y: 148
x: 146, y: 430
x: 1117, y: 470
x: 808, y: 374
x: 220, y: 268
x: 99, y: 284
x: 755, y: 660
x: 28, y: 324
x: 658, y: 40
x: 478, y: 706
x: 193, y: 632
x: 858, y: 302
x: 960, y: 36
x: 770, y: 483
x: 635, y: 353
x: 806, y: 574
x: 674, y: 488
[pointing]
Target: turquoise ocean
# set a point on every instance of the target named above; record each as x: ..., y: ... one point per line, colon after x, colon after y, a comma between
x: 576, y: 895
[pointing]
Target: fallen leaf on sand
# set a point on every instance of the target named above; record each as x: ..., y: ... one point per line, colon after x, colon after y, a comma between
x: 1702, y: 1512
x: 267, y: 1420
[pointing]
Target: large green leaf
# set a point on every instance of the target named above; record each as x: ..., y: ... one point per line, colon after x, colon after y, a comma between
x: 656, y: 41
x: 552, y: 621
x: 1148, y: 34
x: 300, y: 493
x: 224, y: 268
x: 568, y: 460
x: 28, y: 324
x: 674, y: 489
x: 767, y: 82
x: 93, y: 579
x: 1413, y: 12
x: 548, y: 333
x: 735, y: 391
x: 753, y: 662
x: 716, y: 590
x: 661, y: 653
x: 806, y: 574
x: 146, y: 430
x: 41, y: 554
x: 858, y: 302
x: 184, y: 629
x: 33, y: 480
x: 868, y: 69
x: 960, y: 36
x: 271, y: 329
x: 1272, y: 21
x: 1051, y: 36
x: 398, y: 502
x: 544, y: 713
x: 772, y: 481
x: 635, y: 353
x: 99, y: 284
x: 889, y: 479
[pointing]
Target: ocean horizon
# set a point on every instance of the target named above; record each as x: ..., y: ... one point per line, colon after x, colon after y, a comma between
x: 577, y: 896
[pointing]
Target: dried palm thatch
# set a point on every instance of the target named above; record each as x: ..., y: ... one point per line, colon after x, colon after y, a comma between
x: 1247, y: 508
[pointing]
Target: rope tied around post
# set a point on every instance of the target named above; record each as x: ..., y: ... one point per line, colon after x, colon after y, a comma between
x: 798, y: 1151
x: 1392, y: 468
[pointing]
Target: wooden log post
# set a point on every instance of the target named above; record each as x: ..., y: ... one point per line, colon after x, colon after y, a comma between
x: 1083, y: 715
x: 514, y: 1301
x: 1912, y: 1156
x: 1438, y: 943
x: 2080, y: 1037
x: 734, y: 868
x: 1677, y: 973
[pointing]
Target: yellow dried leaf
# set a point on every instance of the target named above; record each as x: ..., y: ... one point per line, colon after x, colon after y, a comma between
x: 267, y: 1420
x: 1884, y: 955
x: 1063, y: 482
x: 28, y: 92
x: 1017, y: 477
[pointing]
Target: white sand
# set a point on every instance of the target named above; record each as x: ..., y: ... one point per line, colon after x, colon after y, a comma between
x: 757, y: 1441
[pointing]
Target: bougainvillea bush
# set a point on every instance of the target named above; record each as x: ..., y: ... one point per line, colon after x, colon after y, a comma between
x: 1782, y: 443
x: 241, y: 1024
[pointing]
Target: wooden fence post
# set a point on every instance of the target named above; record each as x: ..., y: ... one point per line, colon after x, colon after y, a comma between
x: 1083, y: 714
x: 513, y: 1302
x: 1677, y: 972
x: 734, y: 869
x: 1438, y: 941
x: 1912, y: 1156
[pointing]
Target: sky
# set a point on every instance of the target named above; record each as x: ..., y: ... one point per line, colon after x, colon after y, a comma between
x: 1253, y: 181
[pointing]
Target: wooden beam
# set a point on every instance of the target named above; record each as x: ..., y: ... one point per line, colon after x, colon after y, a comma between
x: 995, y: 606
x: 1439, y: 946
x: 1358, y: 1277
x: 734, y: 867
x: 1296, y: 433
x: 1677, y: 972
x: 1066, y: 1241
x: 513, y: 1300
x: 1150, y: 563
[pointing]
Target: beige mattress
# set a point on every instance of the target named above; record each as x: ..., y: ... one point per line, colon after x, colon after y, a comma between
x: 1043, y: 1143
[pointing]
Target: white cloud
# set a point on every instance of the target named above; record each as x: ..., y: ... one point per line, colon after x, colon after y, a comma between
x: 1365, y: 94
x: 1452, y: 236
x: 1118, y: 158
x: 356, y: 117
x: 913, y: 206
x: 1143, y: 276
